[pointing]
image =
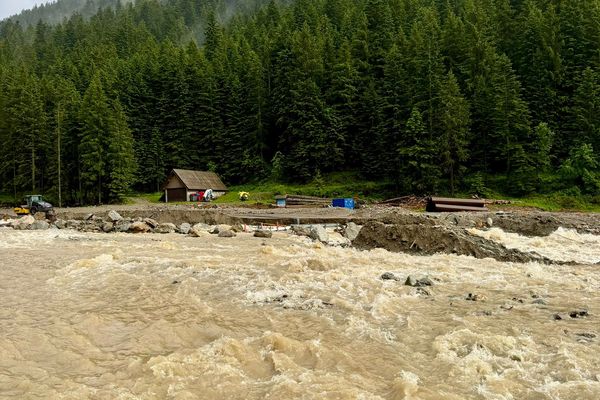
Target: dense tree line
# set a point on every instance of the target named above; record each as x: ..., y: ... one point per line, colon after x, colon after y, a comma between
x: 55, y: 11
x: 432, y: 95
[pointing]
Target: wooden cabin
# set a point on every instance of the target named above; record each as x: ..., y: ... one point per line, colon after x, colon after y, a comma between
x: 182, y: 184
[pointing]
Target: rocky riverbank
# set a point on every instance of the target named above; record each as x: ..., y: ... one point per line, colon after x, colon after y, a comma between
x: 420, y: 234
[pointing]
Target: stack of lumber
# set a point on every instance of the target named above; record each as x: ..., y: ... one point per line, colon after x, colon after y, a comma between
x: 443, y: 204
x: 295, y: 200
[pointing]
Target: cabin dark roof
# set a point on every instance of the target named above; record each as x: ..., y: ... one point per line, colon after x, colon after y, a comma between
x: 196, y: 180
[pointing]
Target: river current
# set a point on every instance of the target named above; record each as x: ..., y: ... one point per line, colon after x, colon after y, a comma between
x: 121, y: 316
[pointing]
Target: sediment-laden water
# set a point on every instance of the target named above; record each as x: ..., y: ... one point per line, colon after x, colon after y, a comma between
x: 120, y: 316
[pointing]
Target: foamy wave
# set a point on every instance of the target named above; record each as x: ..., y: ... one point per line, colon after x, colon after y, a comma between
x: 562, y: 245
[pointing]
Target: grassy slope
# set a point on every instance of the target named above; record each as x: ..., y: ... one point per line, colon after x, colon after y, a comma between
x: 334, y: 185
x: 348, y: 185
x: 351, y: 185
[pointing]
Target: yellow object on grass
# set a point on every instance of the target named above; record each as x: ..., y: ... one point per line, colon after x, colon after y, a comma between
x: 244, y: 196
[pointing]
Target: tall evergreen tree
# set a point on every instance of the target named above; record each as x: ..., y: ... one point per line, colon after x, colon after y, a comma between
x: 454, y: 129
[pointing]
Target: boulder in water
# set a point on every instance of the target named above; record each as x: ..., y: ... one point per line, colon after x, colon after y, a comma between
x: 60, y: 224
x: 578, y: 314
x: 107, y: 227
x: 150, y: 222
x: 166, y: 227
x: 300, y: 230
x: 39, y: 216
x: 122, y: 226
x: 220, y: 228
x: 41, y: 225
x: 475, y: 297
x: 199, y: 229
x: 263, y: 234
x: 226, y: 233
x: 420, y: 282
x: 351, y: 231
x: 319, y: 233
x: 185, y: 228
x: 388, y: 276
x: 139, y: 227
x: 23, y: 223
x: 114, y: 216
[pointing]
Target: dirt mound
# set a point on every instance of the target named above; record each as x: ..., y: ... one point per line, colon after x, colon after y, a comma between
x: 430, y: 239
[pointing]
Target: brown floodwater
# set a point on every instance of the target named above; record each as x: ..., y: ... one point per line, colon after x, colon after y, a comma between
x: 120, y: 316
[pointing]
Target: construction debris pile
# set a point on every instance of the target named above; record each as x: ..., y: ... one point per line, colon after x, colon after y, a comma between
x: 411, y: 201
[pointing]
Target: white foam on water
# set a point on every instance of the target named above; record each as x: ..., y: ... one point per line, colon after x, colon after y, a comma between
x: 561, y: 245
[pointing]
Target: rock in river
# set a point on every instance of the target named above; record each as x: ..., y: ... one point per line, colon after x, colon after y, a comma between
x: 388, y: 276
x: 263, y: 234
x: 319, y: 233
x: 165, y: 227
x: 139, y: 227
x: 185, y: 228
x: 420, y: 282
x: 352, y: 230
x: 151, y: 223
x: 108, y: 227
x: 40, y: 225
x: 114, y: 216
x: 226, y: 233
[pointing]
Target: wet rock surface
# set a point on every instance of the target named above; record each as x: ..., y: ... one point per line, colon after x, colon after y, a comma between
x: 351, y: 231
x: 40, y: 225
x: 263, y: 234
x: 225, y: 233
x: 139, y: 227
x: 388, y: 276
x: 185, y: 228
x: 114, y: 216
x: 165, y: 227
x: 418, y: 282
x: 319, y: 233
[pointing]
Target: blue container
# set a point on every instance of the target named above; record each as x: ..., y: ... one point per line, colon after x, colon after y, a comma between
x: 344, y: 203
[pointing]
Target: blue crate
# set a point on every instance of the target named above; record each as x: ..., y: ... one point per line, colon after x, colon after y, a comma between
x: 343, y: 203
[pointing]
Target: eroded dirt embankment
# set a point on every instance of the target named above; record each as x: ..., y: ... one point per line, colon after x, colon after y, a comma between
x: 525, y: 223
x: 421, y: 239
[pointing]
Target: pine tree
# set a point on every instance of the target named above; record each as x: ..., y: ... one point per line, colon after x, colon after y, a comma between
x: 418, y: 155
x: 454, y: 129
x: 95, y: 123
x: 120, y: 160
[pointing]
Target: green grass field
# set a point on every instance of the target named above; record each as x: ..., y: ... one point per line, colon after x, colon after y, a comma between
x: 348, y: 184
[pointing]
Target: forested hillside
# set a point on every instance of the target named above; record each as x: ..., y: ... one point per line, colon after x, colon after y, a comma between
x: 55, y: 11
x: 431, y: 95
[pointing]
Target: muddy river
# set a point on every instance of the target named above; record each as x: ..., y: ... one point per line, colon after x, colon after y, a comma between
x: 121, y: 316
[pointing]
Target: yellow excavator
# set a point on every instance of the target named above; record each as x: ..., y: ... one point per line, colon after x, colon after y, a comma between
x: 33, y: 203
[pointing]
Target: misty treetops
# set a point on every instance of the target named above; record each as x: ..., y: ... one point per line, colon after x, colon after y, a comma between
x: 432, y: 95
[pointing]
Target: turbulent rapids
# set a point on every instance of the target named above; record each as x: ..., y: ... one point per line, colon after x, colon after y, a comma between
x: 121, y: 316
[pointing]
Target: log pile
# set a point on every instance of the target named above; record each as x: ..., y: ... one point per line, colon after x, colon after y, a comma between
x: 295, y: 200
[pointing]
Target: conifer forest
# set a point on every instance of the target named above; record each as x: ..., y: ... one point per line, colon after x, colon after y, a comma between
x: 433, y: 96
